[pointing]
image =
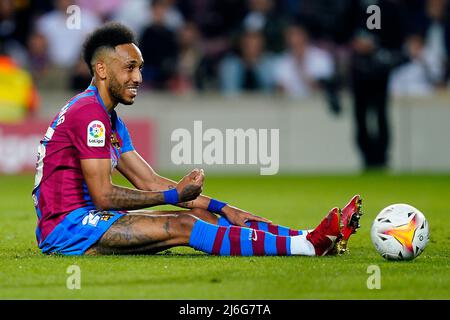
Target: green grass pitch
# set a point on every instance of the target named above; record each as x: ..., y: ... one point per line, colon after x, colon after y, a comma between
x: 182, y: 273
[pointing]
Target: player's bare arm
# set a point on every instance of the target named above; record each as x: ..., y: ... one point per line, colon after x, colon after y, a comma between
x: 107, y: 196
x: 143, y: 177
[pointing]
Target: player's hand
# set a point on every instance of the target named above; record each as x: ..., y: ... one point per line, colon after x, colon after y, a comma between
x: 239, y: 217
x: 191, y: 186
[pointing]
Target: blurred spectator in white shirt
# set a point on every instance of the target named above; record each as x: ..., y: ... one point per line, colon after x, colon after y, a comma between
x: 303, y: 66
x: 64, y: 44
x: 413, y: 78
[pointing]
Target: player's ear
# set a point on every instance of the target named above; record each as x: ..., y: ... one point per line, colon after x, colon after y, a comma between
x: 100, y: 69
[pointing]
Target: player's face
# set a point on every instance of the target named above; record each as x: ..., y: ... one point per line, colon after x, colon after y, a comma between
x: 125, y: 73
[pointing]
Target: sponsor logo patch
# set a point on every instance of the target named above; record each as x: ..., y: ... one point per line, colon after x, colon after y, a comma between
x: 92, y: 218
x: 96, y: 134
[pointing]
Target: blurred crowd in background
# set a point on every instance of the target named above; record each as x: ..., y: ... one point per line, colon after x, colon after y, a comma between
x: 291, y: 48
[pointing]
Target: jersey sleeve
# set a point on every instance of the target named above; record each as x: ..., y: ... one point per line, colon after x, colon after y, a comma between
x: 91, y: 133
x: 122, y: 130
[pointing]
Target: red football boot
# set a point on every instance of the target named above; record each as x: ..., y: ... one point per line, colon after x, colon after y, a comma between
x: 325, y: 235
x: 350, y: 215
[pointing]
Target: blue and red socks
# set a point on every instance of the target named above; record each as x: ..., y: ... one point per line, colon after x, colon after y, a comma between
x: 264, y: 226
x: 238, y: 241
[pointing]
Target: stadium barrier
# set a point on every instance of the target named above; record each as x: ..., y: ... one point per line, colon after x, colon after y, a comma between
x: 311, y: 139
x: 19, y: 142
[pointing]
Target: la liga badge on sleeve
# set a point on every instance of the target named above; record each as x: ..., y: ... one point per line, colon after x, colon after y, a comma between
x: 96, y: 134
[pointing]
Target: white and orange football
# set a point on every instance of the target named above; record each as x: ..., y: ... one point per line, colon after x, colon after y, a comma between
x: 400, y: 232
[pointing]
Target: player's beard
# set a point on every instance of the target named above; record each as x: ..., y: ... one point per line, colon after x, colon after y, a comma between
x: 116, y: 91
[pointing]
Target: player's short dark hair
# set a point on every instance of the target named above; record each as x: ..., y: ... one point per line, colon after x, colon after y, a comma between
x: 109, y: 35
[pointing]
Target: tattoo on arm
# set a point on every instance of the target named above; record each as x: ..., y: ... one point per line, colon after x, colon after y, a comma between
x: 189, y: 192
x: 128, y: 199
x: 187, y: 204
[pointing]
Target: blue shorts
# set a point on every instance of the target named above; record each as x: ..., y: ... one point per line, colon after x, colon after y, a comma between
x: 78, y: 231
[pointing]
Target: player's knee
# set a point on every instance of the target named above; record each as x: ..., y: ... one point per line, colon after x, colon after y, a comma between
x: 186, y: 221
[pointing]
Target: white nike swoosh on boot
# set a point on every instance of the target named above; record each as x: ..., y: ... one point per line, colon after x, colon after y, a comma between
x: 332, y: 238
